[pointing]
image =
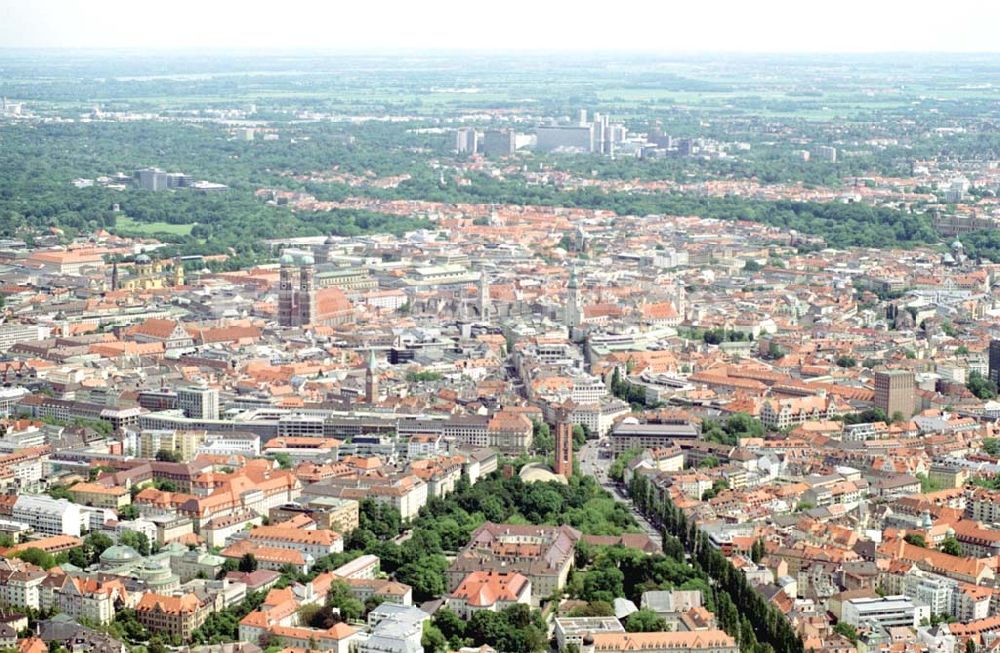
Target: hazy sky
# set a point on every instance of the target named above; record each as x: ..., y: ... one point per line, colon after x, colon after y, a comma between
x: 667, y: 25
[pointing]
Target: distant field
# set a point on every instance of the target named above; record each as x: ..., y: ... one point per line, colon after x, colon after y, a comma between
x: 128, y: 225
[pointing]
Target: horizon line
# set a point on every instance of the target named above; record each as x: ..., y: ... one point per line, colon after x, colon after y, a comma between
x: 193, y: 49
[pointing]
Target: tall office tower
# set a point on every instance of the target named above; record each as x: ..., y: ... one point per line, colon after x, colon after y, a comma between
x: 583, y: 117
x: 199, y: 402
x: 826, y: 153
x: 655, y: 132
x: 466, y: 140
x: 151, y: 179
x: 598, y: 130
x: 565, y: 137
x: 371, y: 379
x: 994, y: 371
x: 564, y: 446
x: 498, y: 142
x: 608, y: 144
x: 895, y: 391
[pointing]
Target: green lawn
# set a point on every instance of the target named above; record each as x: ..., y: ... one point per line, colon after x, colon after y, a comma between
x: 127, y: 225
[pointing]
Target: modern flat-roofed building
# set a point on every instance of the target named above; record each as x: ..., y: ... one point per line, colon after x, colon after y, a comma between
x: 230, y: 444
x: 994, y: 361
x: 152, y: 179
x: 498, y: 142
x: 395, y: 629
x: 199, y: 402
x: 578, y: 138
x: 48, y: 515
x: 885, y: 612
x: 571, y: 630
x: 366, y: 566
x: 466, y: 140
x: 13, y: 333
x: 651, y: 436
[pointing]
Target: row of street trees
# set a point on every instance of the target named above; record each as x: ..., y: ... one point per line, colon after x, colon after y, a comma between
x: 758, y: 626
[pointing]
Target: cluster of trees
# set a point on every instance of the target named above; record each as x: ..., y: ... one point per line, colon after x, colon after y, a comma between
x: 757, y: 550
x: 37, y: 194
x: 927, y: 484
x: 841, y: 225
x: 444, y: 525
x: 517, y: 629
x: 768, y: 163
x: 41, y: 558
x: 645, y: 621
x: 847, y: 630
x: 608, y: 572
x: 866, y: 416
x: 617, y: 470
x: 129, y: 512
x: 543, y: 441
x: 88, y: 553
x: 717, y: 336
x: 126, y: 627
x: 718, y: 485
x: 756, y: 625
x: 635, y: 395
x: 247, y: 563
x: 423, y: 375
x: 988, y: 482
x: 97, y: 425
x: 377, y: 520
x: 980, y: 386
x: 739, y: 425
x: 951, y: 546
x: 224, y: 626
x: 982, y: 244
x: 340, y: 606
x: 167, y: 456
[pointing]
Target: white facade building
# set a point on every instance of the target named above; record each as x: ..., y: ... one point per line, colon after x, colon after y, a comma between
x: 50, y: 516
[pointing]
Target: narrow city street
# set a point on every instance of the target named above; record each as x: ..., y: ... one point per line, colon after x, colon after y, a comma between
x: 592, y: 464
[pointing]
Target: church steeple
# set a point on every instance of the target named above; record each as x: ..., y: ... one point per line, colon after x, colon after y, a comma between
x: 484, y: 297
x: 371, y: 380
x: 574, y: 310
